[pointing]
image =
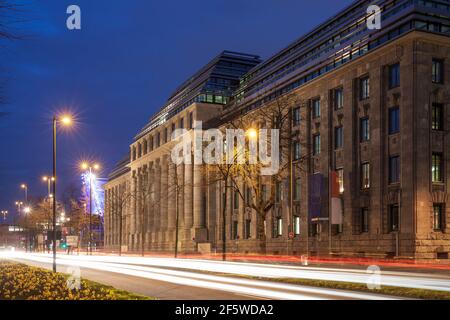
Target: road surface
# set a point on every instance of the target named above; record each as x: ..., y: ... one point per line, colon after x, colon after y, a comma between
x: 168, y: 278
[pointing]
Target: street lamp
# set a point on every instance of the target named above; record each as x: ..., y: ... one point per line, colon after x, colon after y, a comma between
x: 88, y: 167
x: 25, y: 188
x: 48, y: 180
x: 4, y: 213
x: 64, y: 120
x: 27, y: 211
x: 19, y: 205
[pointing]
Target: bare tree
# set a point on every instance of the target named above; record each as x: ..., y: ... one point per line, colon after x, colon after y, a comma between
x: 120, y: 199
x: 277, y: 115
x: 9, y: 12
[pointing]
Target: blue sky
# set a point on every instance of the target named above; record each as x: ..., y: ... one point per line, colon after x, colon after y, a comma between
x: 119, y: 70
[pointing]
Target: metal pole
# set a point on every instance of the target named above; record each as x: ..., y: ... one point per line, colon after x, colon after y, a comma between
x: 90, y: 210
x: 329, y: 212
x: 54, y: 194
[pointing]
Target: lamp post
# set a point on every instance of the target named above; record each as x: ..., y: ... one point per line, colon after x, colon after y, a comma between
x: 4, y: 213
x: 88, y: 167
x: 66, y: 121
x: 19, y: 205
x: 49, y: 181
x: 26, y: 211
x: 25, y: 188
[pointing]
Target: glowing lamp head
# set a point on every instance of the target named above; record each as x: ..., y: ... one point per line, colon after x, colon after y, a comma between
x: 96, y: 166
x: 66, y: 120
x: 45, y: 178
x: 84, y: 166
x: 27, y: 210
x: 23, y: 186
x: 252, y: 133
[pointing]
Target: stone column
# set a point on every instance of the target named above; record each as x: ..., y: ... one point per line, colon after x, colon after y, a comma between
x: 199, y: 228
x: 188, y: 205
x: 133, y: 212
x: 171, y: 202
x: 180, y: 178
x: 157, y: 205
x: 150, y: 201
x: 163, y: 201
x: 139, y: 213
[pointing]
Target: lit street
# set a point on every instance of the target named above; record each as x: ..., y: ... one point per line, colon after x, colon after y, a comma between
x: 166, y: 278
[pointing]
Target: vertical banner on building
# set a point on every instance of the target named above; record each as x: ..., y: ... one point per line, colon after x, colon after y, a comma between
x: 335, y: 199
x: 316, y: 191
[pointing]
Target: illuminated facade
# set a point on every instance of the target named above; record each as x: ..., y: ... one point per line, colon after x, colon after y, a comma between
x: 376, y: 112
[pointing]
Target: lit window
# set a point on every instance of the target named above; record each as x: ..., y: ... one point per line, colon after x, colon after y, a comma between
x: 338, y: 98
x: 438, y: 216
x: 278, y: 227
x: 365, y: 175
x: 296, y: 117
x: 340, y: 173
x: 437, y: 117
x: 365, y: 129
x: 297, y: 150
x: 436, y: 167
x: 365, y: 88
x: 316, y: 144
x: 315, y: 108
x: 296, y: 225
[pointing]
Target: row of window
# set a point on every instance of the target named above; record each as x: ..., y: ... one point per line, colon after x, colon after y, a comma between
x: 394, y: 218
x: 438, y: 219
x: 437, y: 76
x: 161, y: 137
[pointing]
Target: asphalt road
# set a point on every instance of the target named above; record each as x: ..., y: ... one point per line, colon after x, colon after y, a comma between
x: 167, y: 278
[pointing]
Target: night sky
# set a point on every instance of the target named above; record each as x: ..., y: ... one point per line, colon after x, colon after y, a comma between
x: 117, y: 71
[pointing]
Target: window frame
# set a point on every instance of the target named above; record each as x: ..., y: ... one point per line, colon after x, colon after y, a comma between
x: 316, y: 108
x: 394, y: 79
x: 364, y: 88
x: 365, y: 223
x: 437, y: 74
x: 296, y: 117
x: 338, y: 99
x: 439, y: 225
x: 394, y: 218
x: 364, y: 130
x: 365, y: 174
x: 338, y: 137
x: 397, y: 167
x: 297, y: 225
x: 437, y: 117
x: 437, y: 176
x: 394, y: 127
x: 316, y: 144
